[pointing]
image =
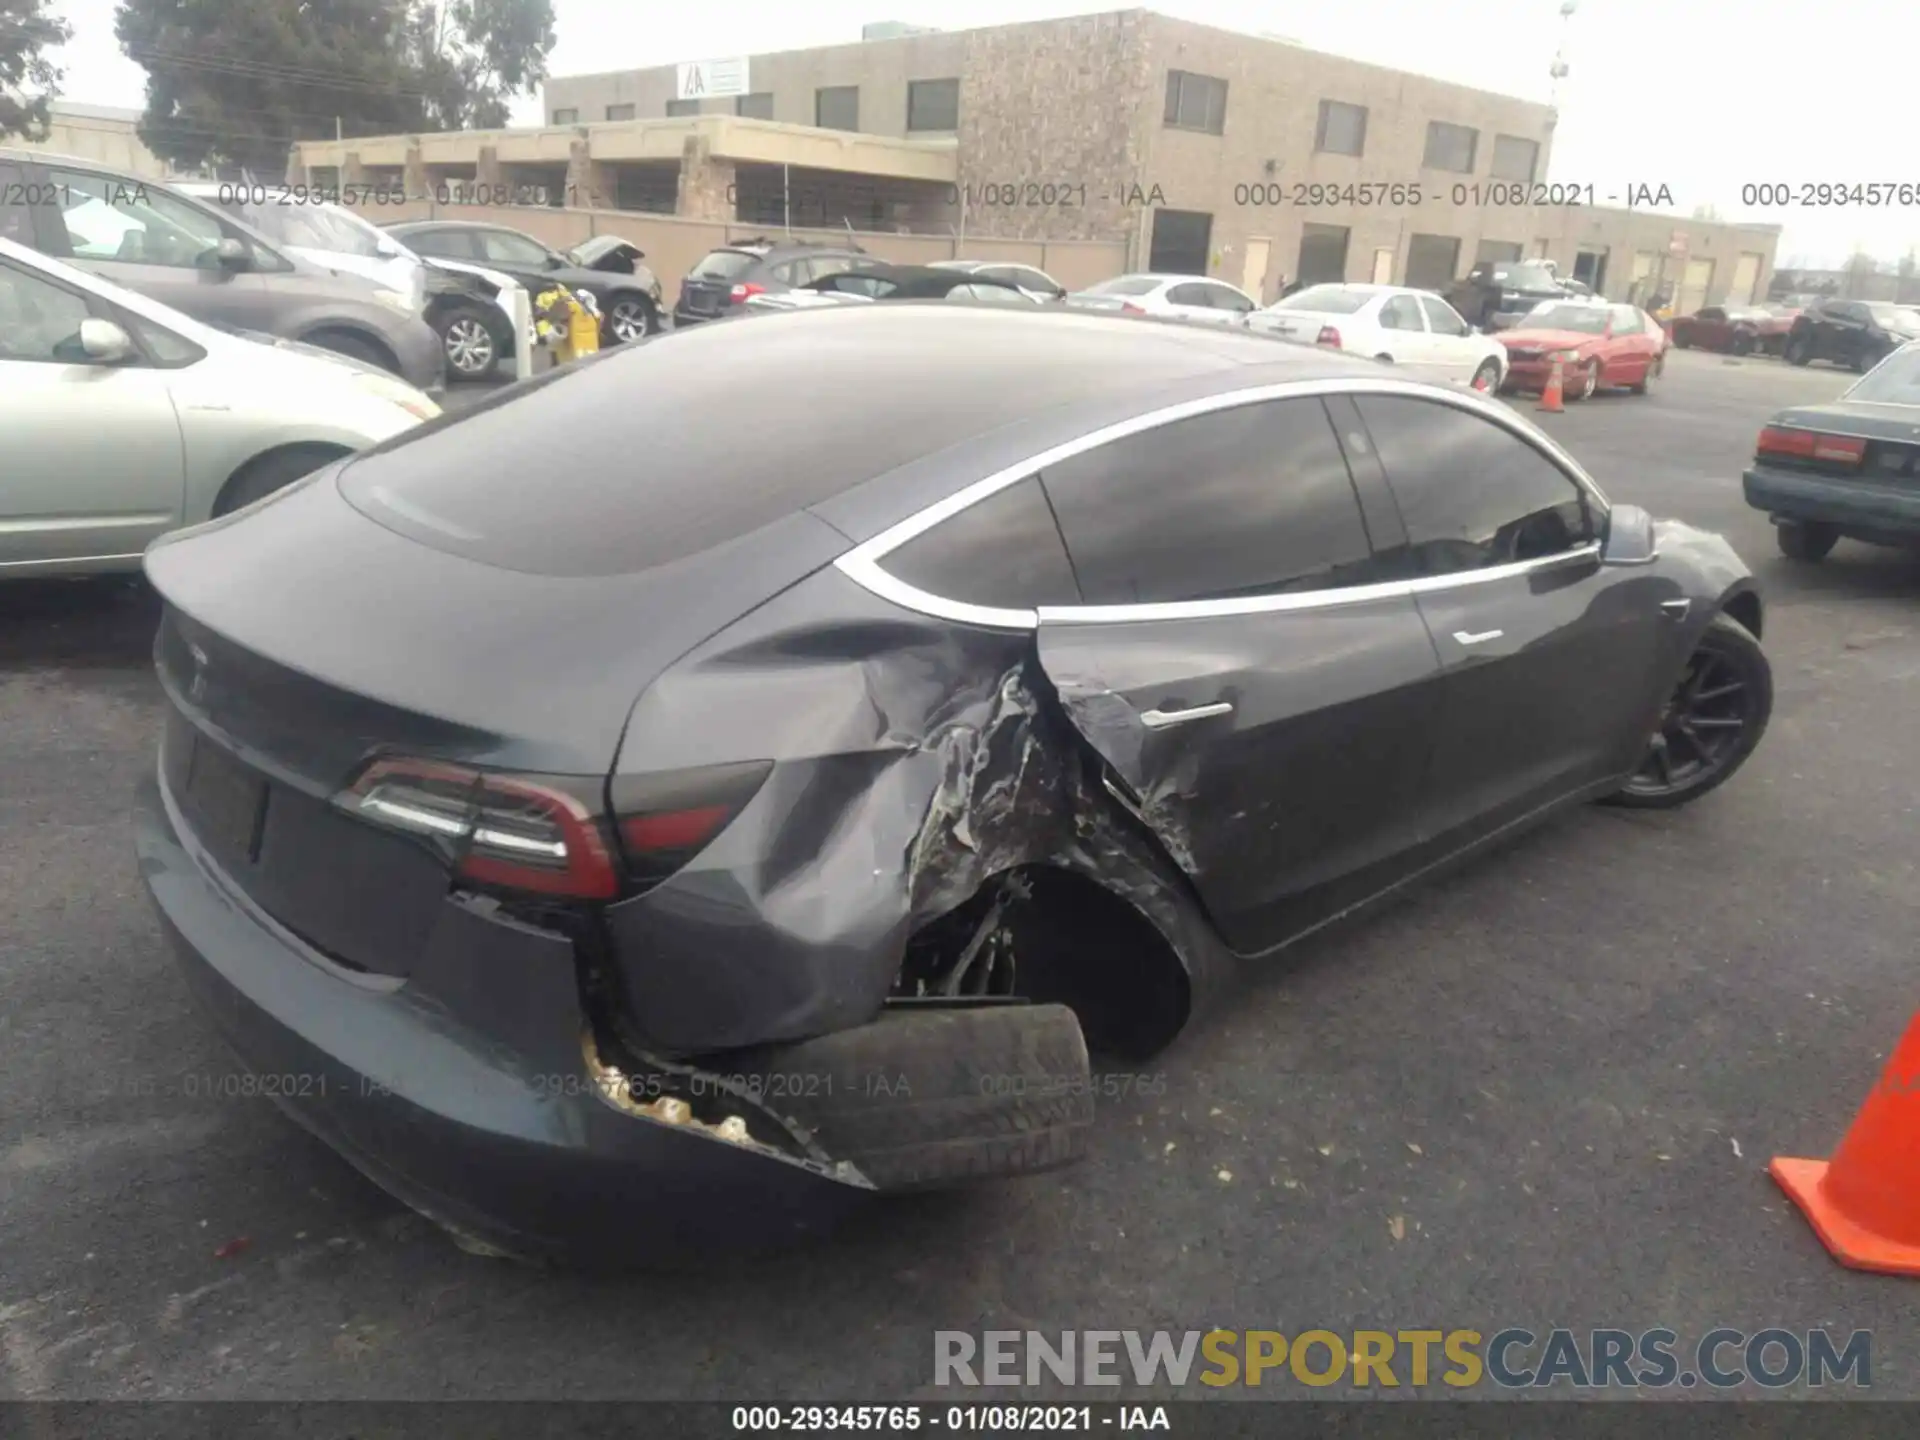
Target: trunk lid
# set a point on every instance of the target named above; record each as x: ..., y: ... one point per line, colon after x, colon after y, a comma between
x: 300, y: 640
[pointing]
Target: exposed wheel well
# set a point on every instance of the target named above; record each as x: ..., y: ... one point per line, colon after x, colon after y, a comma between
x: 1745, y: 607
x: 1051, y: 935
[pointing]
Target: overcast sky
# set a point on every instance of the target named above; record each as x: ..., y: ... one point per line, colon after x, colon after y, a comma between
x: 1703, y: 96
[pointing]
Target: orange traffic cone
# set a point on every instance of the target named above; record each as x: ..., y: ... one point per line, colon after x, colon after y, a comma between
x: 1550, y: 398
x: 1865, y: 1202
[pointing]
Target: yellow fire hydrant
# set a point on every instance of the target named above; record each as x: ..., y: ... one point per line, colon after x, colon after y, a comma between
x: 566, y: 324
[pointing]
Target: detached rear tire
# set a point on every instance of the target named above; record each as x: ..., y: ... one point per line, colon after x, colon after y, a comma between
x: 1805, y: 540
x: 977, y: 1094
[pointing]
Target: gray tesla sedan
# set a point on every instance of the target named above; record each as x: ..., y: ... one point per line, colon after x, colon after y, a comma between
x: 629, y: 837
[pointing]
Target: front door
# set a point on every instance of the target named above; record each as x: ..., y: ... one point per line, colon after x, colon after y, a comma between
x: 1554, y: 664
x: 1270, y: 726
x: 137, y: 235
x: 90, y: 459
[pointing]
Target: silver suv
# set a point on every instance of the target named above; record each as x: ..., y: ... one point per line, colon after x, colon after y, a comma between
x: 185, y: 253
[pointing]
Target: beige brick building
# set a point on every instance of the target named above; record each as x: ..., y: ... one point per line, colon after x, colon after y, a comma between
x: 1180, y: 146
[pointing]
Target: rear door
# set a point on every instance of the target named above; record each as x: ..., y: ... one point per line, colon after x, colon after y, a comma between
x: 1631, y: 348
x: 91, y: 464
x: 1555, y: 665
x: 1403, y: 336
x: 1254, y: 705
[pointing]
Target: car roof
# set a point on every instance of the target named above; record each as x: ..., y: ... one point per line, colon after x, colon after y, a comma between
x: 862, y: 414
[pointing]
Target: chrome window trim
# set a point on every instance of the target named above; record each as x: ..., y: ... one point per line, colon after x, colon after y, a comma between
x: 862, y: 563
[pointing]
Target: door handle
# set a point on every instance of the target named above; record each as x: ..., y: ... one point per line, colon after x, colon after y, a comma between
x: 1676, y: 609
x: 1161, y: 719
x: 1466, y: 637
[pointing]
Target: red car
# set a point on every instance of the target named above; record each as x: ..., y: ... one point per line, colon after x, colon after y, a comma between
x: 1598, y: 345
x: 1736, y: 329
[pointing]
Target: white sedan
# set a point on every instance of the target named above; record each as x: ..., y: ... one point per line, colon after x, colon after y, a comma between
x: 1174, y: 297
x: 1414, y: 328
x: 122, y: 419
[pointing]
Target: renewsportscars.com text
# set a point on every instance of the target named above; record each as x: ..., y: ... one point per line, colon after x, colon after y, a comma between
x: 1513, y: 1358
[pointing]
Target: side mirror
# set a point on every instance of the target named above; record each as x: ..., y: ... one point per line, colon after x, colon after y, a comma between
x: 231, y: 255
x: 386, y: 250
x: 103, y: 342
x: 1629, y: 537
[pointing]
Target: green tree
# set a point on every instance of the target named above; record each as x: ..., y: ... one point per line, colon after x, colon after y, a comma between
x: 27, y: 31
x: 232, y: 83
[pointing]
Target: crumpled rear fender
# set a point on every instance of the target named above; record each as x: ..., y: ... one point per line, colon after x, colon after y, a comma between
x: 914, y: 761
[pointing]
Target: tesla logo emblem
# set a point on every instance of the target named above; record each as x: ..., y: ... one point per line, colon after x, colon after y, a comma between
x: 197, y: 690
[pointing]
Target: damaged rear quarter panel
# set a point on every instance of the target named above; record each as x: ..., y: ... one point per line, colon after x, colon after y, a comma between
x: 915, y: 759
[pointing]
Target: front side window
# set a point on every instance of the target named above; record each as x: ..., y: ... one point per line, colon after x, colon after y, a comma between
x: 1472, y: 493
x: 38, y: 319
x: 1196, y: 102
x: 1400, y: 313
x: 1442, y: 318
x: 1003, y: 552
x: 1251, y: 501
x: 506, y: 248
x: 108, y: 218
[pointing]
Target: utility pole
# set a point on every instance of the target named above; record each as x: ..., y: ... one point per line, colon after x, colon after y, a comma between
x: 1559, y: 68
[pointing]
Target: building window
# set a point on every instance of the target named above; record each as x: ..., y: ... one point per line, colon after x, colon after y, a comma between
x: 619, y: 112
x: 757, y: 106
x: 933, y: 105
x: 1450, y: 147
x: 1515, y: 159
x: 1196, y: 102
x: 837, y: 107
x: 1342, y: 129
x: 566, y: 117
x: 1496, y: 251
x: 677, y: 109
x: 1433, y: 261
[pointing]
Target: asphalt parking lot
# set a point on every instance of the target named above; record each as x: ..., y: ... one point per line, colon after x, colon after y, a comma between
x: 1543, y: 1093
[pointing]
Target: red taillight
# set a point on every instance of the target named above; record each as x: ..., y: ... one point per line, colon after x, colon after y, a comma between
x: 1329, y: 337
x: 1810, y: 445
x: 673, y: 829
x: 742, y: 291
x: 513, y: 832
x: 666, y: 820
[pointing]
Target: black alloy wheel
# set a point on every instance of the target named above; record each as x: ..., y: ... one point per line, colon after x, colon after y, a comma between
x: 1715, y: 716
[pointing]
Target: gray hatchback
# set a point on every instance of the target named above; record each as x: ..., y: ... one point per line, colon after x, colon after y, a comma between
x: 207, y: 265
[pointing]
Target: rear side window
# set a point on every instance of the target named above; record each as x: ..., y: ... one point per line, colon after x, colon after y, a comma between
x: 723, y: 265
x: 1250, y: 501
x: 1003, y: 552
x: 1472, y: 493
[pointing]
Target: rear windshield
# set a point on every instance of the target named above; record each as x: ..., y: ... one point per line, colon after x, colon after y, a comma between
x: 1325, y: 300
x: 644, y: 454
x: 1587, y: 319
x: 1894, y: 381
x: 724, y: 265
x: 1124, y: 285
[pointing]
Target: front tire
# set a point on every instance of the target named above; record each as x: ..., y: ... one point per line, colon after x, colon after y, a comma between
x: 1487, y: 378
x: 630, y: 318
x: 1805, y: 540
x: 1589, y: 381
x: 1797, y: 351
x: 467, y: 339
x: 1712, y: 722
